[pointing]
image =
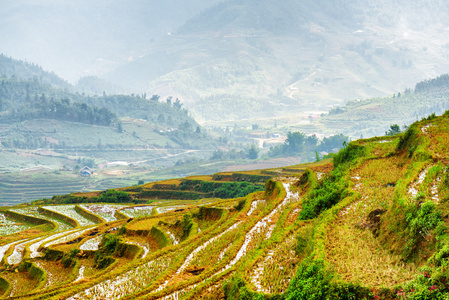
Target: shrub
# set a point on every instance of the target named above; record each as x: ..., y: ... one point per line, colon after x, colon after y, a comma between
x: 312, y: 281
x: 108, y: 196
x: 211, y: 213
x: 408, y: 140
x: 421, y: 220
x: 304, y: 241
x: 235, y: 289
x: 270, y: 186
x: 440, y: 257
x: 328, y: 193
x: 349, y: 153
x: 102, y: 261
x: 111, y: 244
x: 68, y: 259
x: 426, y: 285
x: 240, y: 205
x: 186, y: 225
x: 315, y: 281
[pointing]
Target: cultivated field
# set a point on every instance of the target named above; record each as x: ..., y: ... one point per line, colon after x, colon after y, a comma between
x: 371, y: 224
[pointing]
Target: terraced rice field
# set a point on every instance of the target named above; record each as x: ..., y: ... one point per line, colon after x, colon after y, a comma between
x: 69, y: 211
x: 105, y: 211
x: 138, y: 211
x: 33, y: 211
x: 91, y: 244
x: 9, y: 226
x: 195, y: 258
x: 364, y: 226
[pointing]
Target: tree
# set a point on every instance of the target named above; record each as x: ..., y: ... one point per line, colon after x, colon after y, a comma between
x: 186, y: 127
x: 177, y: 104
x: 169, y: 100
x: 161, y: 119
x: 253, y: 152
x: 155, y: 97
x: 311, y: 142
x: 119, y: 127
x: 217, y: 155
x: 295, y: 141
x: 317, y: 156
x: 394, y: 129
x: 333, y: 142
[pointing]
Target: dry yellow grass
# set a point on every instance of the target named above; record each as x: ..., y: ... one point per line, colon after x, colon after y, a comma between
x: 293, y: 215
x: 375, y: 180
x: 358, y: 257
x: 168, y: 181
x: 200, y: 177
x: 144, y: 224
x: 279, y: 266
x: 354, y: 251
x: 25, y: 234
x: 20, y: 281
x: 56, y: 273
x: 438, y: 133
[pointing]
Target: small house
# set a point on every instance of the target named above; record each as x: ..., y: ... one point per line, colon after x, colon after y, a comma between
x: 86, y: 172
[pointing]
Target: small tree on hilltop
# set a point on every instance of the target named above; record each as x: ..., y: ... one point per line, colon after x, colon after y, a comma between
x: 394, y: 129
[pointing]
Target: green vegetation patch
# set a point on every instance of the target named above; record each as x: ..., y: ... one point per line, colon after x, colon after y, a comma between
x: 5, y: 287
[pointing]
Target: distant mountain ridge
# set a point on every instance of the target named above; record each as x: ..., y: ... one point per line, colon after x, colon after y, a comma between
x: 10, y: 67
x: 249, y: 59
x: 41, y: 112
x: 373, y: 117
x: 85, y: 38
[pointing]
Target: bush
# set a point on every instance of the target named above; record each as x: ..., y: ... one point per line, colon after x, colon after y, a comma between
x: 304, y: 241
x: 240, y: 205
x: 186, y: 225
x: 235, y: 289
x: 102, y: 261
x: 305, y: 178
x: 224, y: 190
x: 425, y: 286
x: 349, y: 153
x: 328, y: 193
x: 409, y: 140
x: 113, y: 196
x: 421, y: 220
x: 314, y: 281
x: 441, y: 256
x: 108, y: 196
x: 348, y: 291
x: 110, y: 245
x: 68, y: 259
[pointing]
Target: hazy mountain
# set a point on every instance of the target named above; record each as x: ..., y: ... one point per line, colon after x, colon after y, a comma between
x: 373, y: 117
x: 235, y: 60
x: 248, y: 59
x: 10, y: 67
x: 81, y: 38
x: 39, y: 111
